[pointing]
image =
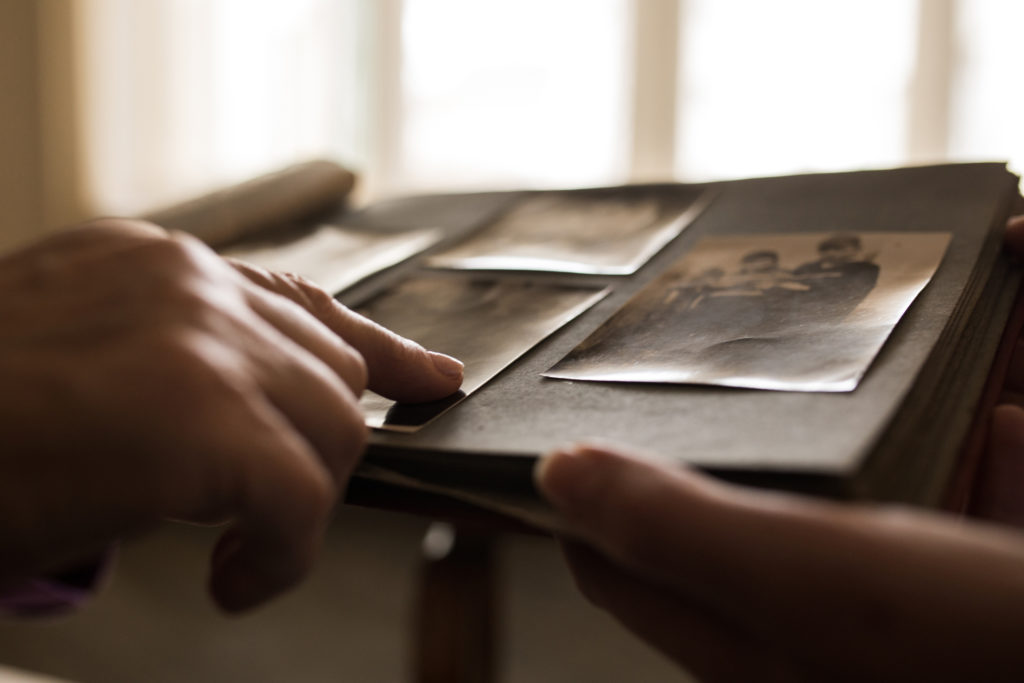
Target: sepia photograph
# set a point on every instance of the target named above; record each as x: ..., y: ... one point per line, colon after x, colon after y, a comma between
x: 575, y: 232
x: 787, y: 312
x: 335, y: 257
x: 485, y: 323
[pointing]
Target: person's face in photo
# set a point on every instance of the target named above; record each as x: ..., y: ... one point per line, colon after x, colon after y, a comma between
x: 760, y: 264
x: 837, y: 253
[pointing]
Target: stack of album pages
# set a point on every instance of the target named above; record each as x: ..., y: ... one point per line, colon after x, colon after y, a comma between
x: 827, y: 333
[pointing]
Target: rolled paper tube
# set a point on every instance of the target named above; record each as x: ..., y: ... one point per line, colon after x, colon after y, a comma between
x: 270, y: 201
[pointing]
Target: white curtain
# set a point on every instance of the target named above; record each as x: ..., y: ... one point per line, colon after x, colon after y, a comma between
x: 421, y: 95
x: 183, y: 95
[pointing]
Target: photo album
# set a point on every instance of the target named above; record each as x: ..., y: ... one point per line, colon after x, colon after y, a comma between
x: 832, y: 333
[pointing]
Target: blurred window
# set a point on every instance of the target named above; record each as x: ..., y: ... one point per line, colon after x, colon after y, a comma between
x: 176, y: 96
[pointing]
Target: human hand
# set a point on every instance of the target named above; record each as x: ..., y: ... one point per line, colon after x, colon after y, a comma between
x: 146, y: 378
x: 997, y: 493
x: 743, y: 585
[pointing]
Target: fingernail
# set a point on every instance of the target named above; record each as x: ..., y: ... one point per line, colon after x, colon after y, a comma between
x: 446, y: 365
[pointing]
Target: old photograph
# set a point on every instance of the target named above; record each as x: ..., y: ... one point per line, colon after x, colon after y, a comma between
x: 796, y: 312
x: 335, y: 257
x: 485, y: 323
x: 594, y: 234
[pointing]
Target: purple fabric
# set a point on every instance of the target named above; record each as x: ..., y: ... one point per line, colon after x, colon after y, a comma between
x: 47, y: 596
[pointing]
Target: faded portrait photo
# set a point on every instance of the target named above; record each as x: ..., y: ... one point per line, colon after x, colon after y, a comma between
x: 485, y: 322
x: 801, y: 312
x: 576, y: 232
x: 336, y: 257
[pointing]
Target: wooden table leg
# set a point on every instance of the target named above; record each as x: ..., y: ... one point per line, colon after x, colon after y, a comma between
x: 455, y: 621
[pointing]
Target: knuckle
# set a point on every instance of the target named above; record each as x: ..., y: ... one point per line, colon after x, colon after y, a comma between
x: 406, y: 352
x: 184, y: 283
x: 396, y: 355
x: 282, y: 283
x: 315, y: 298
x: 256, y: 274
x: 172, y: 265
x: 174, y: 252
x: 184, y: 254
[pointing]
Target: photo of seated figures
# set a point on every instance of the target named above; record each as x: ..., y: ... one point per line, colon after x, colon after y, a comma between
x: 787, y: 312
x: 584, y: 232
x: 485, y: 323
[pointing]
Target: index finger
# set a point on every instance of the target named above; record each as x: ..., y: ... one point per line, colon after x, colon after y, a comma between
x: 399, y: 368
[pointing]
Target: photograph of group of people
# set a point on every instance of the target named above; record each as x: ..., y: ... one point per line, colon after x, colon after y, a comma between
x: 801, y: 312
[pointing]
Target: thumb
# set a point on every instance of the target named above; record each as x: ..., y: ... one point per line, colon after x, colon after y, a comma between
x: 1014, y: 236
x: 648, y: 518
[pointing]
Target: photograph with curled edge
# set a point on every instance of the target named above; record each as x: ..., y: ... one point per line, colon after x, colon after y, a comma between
x: 486, y: 323
x: 584, y: 232
x: 786, y: 312
x: 336, y: 257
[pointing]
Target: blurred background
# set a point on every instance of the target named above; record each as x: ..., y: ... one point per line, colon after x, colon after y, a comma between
x: 124, y: 106
x: 120, y: 106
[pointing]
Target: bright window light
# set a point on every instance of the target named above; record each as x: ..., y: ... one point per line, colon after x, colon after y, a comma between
x: 988, y: 111
x: 527, y: 93
x: 793, y: 85
x: 183, y: 96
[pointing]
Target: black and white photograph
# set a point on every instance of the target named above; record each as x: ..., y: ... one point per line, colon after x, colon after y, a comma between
x: 787, y: 312
x: 567, y: 232
x: 485, y: 323
x: 336, y: 257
